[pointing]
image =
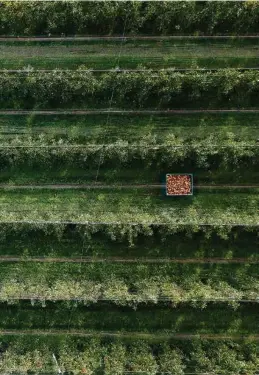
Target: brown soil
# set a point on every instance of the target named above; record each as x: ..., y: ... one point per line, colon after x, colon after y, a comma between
x: 45, y: 259
x: 181, y: 336
x: 119, y: 37
x: 114, y: 111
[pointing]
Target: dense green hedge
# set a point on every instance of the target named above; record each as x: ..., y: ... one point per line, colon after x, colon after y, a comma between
x: 114, y: 17
x: 131, y: 285
x: 104, y: 241
x: 115, y: 357
x: 84, y: 89
x: 212, y: 152
x: 120, y: 232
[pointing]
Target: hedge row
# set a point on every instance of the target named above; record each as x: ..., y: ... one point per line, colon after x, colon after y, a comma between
x: 208, y: 153
x: 120, y: 232
x: 114, y: 17
x: 91, y: 356
x: 131, y: 284
x: 84, y: 89
x: 118, y: 292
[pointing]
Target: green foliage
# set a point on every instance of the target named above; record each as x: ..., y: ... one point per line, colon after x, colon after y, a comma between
x: 213, y: 152
x: 90, y: 356
x: 115, y: 359
x: 88, y: 361
x: 130, y: 285
x: 141, y: 359
x: 127, y: 217
x: 160, y: 18
x: 80, y: 88
x: 171, y: 361
x: 219, y: 358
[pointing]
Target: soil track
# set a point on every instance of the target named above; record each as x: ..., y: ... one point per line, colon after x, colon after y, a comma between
x: 125, y: 260
x: 153, y: 223
x: 151, y: 70
x: 156, y: 336
x: 73, y: 38
x: 100, y: 186
x: 125, y: 112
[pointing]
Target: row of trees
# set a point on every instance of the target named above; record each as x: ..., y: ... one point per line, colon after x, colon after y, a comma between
x: 212, y: 152
x: 122, y: 233
x: 84, y: 89
x: 123, y: 293
x: 161, y: 18
x: 117, y: 358
x: 129, y: 284
x: 113, y: 207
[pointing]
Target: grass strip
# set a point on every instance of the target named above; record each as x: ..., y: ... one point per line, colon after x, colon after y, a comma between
x: 122, y: 206
x: 128, y: 242
x: 156, y: 54
x: 146, y: 319
x: 101, y: 128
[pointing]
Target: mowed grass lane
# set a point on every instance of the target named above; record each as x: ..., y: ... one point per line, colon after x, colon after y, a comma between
x: 113, y: 127
x: 74, y: 243
x: 214, y: 319
x: 130, y: 206
x: 36, y: 149
x: 130, y: 54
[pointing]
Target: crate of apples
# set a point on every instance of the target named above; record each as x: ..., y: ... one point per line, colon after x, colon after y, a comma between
x: 179, y: 184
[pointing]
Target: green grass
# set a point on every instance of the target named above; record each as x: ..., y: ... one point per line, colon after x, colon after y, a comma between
x: 109, y: 128
x: 127, y: 284
x: 130, y: 54
x: 146, y: 319
x: 69, y: 242
x: 24, y: 167
x: 141, y: 206
x: 46, y: 275
x: 125, y: 174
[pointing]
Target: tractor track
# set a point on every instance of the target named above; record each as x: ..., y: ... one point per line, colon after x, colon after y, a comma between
x: 100, y: 186
x: 115, y: 70
x: 180, y: 336
x: 72, y: 38
x: 45, y: 259
x: 125, y: 112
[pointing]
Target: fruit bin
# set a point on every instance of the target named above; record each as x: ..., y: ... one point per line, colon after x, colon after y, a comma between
x: 179, y: 184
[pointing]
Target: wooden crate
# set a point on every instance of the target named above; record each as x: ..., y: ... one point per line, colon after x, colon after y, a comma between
x: 179, y: 184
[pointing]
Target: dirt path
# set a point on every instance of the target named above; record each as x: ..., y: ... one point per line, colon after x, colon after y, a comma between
x: 126, y: 37
x: 254, y: 186
x: 181, y: 336
x: 130, y: 223
x: 46, y: 259
x: 125, y: 112
x: 100, y: 186
x: 81, y: 186
x: 174, y: 69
